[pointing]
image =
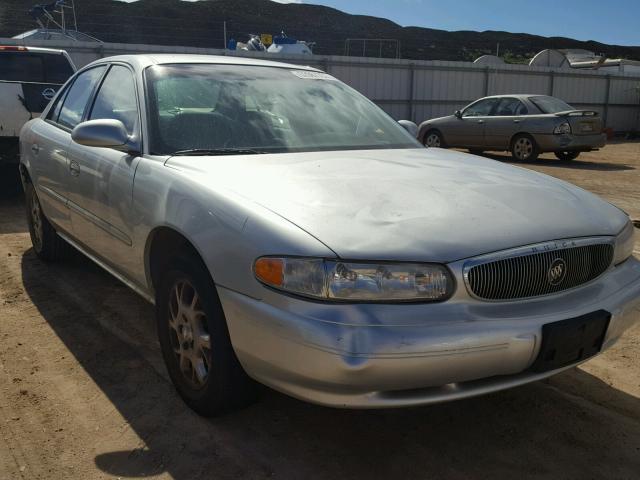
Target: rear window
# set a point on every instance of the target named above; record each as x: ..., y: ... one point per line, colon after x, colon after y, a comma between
x: 550, y: 104
x: 34, y: 67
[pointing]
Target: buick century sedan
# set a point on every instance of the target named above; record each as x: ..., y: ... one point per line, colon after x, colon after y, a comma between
x: 290, y: 233
x: 525, y: 125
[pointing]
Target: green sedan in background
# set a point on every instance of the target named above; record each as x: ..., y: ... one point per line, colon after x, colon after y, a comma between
x: 525, y: 125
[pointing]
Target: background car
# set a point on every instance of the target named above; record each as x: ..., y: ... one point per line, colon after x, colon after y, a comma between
x: 525, y: 125
x: 29, y: 79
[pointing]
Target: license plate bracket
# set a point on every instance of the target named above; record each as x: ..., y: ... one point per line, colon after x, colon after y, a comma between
x: 571, y: 341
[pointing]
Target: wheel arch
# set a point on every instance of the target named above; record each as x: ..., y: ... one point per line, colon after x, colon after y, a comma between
x: 25, y: 176
x: 163, y: 239
x: 522, y: 133
x: 432, y: 129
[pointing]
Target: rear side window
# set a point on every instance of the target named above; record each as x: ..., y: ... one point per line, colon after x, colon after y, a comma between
x: 76, y: 100
x: 509, y: 107
x: 116, y: 98
x: 34, y: 67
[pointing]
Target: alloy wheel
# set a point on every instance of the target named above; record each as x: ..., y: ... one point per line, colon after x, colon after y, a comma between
x: 189, y: 334
x: 432, y: 140
x: 523, y: 148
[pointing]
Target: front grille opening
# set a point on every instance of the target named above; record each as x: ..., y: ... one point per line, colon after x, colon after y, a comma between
x: 530, y: 276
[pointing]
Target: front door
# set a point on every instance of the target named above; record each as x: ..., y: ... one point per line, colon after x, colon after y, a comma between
x: 469, y: 129
x: 102, y: 184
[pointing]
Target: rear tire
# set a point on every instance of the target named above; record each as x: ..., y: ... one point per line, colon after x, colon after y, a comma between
x: 46, y: 242
x: 195, y: 341
x: 567, y: 156
x: 524, y: 148
x: 433, y: 139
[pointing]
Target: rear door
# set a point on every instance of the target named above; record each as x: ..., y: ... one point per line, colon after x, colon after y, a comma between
x: 508, y: 118
x: 28, y: 82
x: 48, y: 148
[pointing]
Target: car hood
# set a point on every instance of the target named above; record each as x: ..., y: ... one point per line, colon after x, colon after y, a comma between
x: 416, y: 205
x: 439, y: 119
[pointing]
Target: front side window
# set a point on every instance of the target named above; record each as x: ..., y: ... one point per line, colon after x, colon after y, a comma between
x: 510, y: 107
x: 548, y: 104
x: 116, y: 98
x: 76, y: 100
x: 481, y: 108
x: 266, y: 109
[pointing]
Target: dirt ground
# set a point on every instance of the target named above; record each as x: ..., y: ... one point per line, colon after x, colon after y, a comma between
x: 84, y: 393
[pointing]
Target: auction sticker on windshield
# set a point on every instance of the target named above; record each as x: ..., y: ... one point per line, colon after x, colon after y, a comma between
x: 309, y: 75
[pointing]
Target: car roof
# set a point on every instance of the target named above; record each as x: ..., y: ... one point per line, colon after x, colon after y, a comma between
x: 21, y: 49
x: 142, y: 61
x: 517, y: 95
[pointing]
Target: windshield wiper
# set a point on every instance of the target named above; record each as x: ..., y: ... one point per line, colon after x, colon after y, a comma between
x: 217, y: 151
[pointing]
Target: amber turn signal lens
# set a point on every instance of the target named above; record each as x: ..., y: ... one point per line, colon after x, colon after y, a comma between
x: 270, y: 271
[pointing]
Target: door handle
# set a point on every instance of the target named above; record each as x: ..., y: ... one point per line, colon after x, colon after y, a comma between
x: 74, y: 168
x: 35, y: 148
x: 516, y: 121
x: 480, y: 121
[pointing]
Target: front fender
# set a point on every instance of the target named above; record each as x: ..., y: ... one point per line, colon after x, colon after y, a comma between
x: 228, y: 231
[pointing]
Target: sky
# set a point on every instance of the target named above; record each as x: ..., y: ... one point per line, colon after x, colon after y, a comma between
x: 607, y: 21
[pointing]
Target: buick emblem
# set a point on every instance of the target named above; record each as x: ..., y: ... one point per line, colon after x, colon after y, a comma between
x: 48, y: 93
x: 557, y: 272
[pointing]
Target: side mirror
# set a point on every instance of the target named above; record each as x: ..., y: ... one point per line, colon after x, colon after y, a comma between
x: 104, y: 133
x: 458, y: 114
x: 410, y: 127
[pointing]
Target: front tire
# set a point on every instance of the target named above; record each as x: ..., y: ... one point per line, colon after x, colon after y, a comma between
x: 433, y: 139
x: 567, y: 156
x: 47, y: 245
x: 524, y: 148
x: 195, y: 341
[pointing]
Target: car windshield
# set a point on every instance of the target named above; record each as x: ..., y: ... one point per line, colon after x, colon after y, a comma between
x: 265, y: 109
x: 550, y: 104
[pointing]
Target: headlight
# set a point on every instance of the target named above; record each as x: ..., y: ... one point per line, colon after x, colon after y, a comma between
x: 562, y: 129
x: 356, y: 281
x: 624, y: 244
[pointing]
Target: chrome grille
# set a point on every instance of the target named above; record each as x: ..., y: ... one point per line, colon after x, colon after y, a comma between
x: 529, y: 275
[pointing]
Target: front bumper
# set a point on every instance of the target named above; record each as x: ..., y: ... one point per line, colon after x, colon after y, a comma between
x: 554, y: 143
x: 372, y: 356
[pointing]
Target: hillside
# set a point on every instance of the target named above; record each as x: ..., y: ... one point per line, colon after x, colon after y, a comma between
x: 173, y: 22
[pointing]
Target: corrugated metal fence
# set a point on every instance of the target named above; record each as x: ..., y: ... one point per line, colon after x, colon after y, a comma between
x: 419, y: 90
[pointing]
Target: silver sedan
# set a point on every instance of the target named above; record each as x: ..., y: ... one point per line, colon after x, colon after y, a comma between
x: 290, y: 233
x: 525, y: 125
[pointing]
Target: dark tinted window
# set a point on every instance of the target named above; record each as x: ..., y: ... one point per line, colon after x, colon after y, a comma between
x: 481, y: 108
x: 21, y: 67
x: 76, y: 100
x: 57, y: 68
x: 510, y: 107
x: 117, y: 98
x: 34, y: 67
